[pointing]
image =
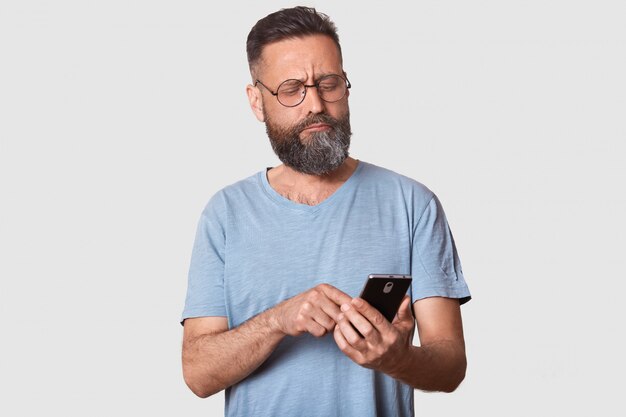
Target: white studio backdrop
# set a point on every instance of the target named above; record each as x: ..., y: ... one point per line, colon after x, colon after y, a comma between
x: 119, y: 119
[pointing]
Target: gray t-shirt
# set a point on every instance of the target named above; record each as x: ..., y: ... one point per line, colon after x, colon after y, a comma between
x: 254, y: 248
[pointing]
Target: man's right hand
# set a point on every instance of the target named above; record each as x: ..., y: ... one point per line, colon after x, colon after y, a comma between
x: 314, y: 311
x: 210, y: 349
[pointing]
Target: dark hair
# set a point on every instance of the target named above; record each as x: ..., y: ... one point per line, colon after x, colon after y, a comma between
x: 284, y: 24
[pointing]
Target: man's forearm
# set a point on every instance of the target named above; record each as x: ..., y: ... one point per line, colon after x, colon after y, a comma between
x: 436, y: 367
x: 213, y: 362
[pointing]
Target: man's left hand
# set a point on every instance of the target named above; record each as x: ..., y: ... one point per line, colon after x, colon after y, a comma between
x: 381, y: 345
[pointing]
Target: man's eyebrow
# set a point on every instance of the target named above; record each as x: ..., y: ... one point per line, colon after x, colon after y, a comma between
x: 316, y: 79
x: 301, y: 79
x: 324, y: 74
x: 318, y: 76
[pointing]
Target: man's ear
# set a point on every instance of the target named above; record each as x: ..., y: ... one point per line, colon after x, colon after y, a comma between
x: 256, y: 101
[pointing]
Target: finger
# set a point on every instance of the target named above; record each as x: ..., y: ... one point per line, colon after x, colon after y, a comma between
x: 311, y: 318
x: 374, y: 316
x: 404, y: 312
x: 312, y: 310
x: 329, y: 308
x: 316, y: 329
x: 325, y: 319
x: 335, y: 295
x: 328, y: 299
x: 361, y: 324
x: 349, y: 333
x: 343, y: 344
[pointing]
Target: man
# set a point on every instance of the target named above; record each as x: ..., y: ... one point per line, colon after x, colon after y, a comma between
x: 270, y: 314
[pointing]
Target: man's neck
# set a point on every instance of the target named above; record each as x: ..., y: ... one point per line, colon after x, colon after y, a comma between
x: 309, y: 189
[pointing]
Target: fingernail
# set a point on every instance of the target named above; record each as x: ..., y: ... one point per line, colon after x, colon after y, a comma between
x: 357, y: 302
x: 345, y: 307
x: 340, y: 317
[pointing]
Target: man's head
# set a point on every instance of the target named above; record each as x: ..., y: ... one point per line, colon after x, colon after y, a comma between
x: 297, y: 22
x: 308, y: 125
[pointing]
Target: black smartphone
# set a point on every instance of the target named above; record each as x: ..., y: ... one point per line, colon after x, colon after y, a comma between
x: 385, y: 292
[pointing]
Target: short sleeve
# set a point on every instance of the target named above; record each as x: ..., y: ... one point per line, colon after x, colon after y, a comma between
x: 435, y: 265
x: 205, y: 287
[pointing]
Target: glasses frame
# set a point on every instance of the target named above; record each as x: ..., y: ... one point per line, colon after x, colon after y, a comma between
x: 306, y: 88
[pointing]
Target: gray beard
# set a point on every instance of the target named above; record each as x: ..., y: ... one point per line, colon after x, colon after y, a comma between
x: 322, y: 152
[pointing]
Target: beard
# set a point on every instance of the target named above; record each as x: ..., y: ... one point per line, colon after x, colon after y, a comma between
x: 319, y: 153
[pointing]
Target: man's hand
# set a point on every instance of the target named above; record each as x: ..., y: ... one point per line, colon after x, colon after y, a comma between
x: 314, y: 311
x: 382, y: 344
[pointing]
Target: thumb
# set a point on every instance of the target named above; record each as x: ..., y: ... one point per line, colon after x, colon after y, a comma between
x: 404, y: 312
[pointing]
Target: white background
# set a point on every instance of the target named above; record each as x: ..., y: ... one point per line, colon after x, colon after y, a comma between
x: 119, y: 119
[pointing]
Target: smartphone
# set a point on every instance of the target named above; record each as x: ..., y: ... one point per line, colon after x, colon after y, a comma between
x: 385, y: 292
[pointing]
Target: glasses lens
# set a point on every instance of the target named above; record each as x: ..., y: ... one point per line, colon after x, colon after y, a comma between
x: 332, y: 88
x: 291, y: 93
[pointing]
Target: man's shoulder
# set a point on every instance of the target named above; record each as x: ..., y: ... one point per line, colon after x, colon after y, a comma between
x: 386, y: 178
x: 246, y: 189
x: 242, y: 187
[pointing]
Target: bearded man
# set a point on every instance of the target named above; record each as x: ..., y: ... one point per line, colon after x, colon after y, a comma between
x: 272, y: 314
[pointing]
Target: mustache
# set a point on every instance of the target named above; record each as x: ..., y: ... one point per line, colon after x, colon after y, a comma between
x: 315, y: 119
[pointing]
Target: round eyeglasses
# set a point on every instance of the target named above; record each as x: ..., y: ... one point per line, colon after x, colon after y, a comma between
x: 330, y: 88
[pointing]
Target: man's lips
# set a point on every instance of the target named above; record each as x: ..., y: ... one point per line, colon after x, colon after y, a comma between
x: 317, y: 127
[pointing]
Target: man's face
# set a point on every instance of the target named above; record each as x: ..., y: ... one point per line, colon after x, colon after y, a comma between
x: 313, y: 137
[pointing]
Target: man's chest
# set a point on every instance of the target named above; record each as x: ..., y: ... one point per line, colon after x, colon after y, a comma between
x: 270, y: 260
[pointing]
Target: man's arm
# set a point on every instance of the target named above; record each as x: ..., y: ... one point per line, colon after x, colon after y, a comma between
x: 215, y: 358
x: 437, y: 365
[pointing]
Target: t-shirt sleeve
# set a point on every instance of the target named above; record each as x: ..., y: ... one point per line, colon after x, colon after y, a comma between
x: 435, y: 265
x: 205, y: 288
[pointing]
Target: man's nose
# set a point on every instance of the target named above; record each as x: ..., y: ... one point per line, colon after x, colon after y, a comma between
x: 313, y: 101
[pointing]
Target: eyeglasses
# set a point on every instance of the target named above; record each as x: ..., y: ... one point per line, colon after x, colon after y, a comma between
x: 290, y: 93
